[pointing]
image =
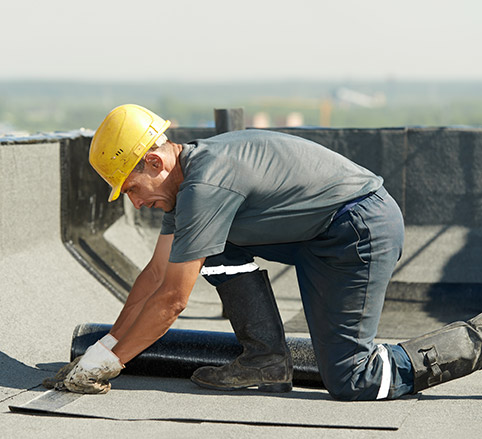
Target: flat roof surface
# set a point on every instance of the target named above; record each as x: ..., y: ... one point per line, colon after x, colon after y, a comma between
x: 46, y: 293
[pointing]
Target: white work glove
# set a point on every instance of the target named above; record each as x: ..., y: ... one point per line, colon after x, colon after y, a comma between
x: 92, y: 372
x: 57, y: 381
x: 109, y: 341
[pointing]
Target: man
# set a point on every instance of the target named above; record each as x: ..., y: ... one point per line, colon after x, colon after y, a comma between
x: 254, y: 193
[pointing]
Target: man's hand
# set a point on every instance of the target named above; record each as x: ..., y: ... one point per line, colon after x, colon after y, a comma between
x: 57, y: 381
x: 94, y: 370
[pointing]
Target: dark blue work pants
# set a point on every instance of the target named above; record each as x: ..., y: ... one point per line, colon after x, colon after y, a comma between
x: 343, y: 275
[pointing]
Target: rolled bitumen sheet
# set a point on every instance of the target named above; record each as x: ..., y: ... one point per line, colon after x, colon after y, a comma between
x: 180, y: 352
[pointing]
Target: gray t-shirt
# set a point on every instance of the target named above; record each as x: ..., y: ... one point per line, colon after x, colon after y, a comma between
x: 256, y: 187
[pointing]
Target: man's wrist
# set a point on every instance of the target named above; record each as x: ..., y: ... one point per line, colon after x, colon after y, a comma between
x: 109, y: 341
x: 99, y: 360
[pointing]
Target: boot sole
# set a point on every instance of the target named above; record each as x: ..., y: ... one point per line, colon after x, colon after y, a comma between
x: 264, y: 387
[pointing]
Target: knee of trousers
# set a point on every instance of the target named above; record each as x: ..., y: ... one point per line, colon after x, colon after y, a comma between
x: 341, y: 385
x: 337, y: 377
x: 358, y: 378
x: 342, y: 393
x: 350, y: 389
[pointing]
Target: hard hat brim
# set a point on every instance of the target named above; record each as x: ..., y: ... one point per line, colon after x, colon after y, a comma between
x: 114, y: 194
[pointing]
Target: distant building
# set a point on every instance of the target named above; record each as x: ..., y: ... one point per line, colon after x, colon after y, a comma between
x: 261, y: 120
x: 295, y: 119
x: 354, y: 97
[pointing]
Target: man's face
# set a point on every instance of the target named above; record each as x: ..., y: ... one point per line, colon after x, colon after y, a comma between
x: 146, y: 188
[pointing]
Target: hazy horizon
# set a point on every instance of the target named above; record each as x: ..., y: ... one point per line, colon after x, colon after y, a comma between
x: 264, y: 40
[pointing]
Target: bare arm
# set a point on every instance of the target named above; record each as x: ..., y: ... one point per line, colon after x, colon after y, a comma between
x: 160, y: 310
x: 146, y: 284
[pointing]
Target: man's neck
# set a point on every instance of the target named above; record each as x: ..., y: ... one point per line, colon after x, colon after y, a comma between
x: 176, y: 176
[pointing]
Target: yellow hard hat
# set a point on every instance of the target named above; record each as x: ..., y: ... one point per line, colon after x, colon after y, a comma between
x: 120, y: 142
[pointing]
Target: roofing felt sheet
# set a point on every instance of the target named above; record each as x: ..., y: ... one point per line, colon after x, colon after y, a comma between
x: 133, y: 398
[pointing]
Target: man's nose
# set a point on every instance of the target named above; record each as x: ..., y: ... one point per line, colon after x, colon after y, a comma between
x: 136, y: 201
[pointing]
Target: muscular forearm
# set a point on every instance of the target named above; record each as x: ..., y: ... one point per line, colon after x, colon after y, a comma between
x: 156, y: 317
x: 144, y: 287
x: 160, y: 310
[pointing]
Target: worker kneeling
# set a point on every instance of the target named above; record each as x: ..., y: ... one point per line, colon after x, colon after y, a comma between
x: 252, y: 193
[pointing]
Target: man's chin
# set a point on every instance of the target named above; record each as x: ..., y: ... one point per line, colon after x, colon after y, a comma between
x: 159, y: 205
x: 155, y: 206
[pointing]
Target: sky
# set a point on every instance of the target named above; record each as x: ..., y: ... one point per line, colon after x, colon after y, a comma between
x: 248, y: 40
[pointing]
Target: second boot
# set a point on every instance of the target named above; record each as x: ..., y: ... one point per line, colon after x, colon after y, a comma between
x: 445, y: 354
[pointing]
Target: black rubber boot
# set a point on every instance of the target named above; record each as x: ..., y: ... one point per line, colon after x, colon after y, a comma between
x: 266, y: 362
x: 448, y: 353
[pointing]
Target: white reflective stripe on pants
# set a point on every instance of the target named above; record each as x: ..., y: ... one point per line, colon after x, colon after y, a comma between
x: 229, y: 270
x: 386, y: 372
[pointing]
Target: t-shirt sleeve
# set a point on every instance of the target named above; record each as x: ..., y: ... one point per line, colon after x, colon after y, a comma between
x: 203, y: 218
x: 168, y: 223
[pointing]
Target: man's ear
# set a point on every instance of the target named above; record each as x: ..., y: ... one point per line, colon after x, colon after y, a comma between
x: 155, y: 161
